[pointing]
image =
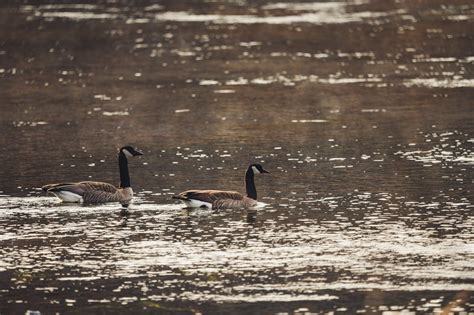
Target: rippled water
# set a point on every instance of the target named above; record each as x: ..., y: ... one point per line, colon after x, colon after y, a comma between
x: 361, y: 110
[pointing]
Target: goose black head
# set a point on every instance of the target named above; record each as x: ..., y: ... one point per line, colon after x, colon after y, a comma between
x: 130, y: 151
x: 258, y: 169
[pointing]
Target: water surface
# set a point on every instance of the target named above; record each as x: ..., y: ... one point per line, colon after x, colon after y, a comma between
x: 361, y: 111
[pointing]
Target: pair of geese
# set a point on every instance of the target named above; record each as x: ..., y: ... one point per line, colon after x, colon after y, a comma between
x: 92, y: 192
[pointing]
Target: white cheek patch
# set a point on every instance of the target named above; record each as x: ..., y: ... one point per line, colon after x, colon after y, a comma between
x: 127, y: 153
x: 255, y: 170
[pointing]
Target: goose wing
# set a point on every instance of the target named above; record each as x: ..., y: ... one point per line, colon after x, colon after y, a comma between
x: 97, y: 186
x: 100, y: 196
x: 210, y: 196
x: 57, y: 185
x: 70, y: 187
x: 81, y: 187
x: 98, y: 192
x: 243, y: 203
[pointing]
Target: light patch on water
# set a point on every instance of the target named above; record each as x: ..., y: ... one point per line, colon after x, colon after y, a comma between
x: 204, y: 250
x: 184, y: 110
x: 459, y: 17
x: 439, y: 59
x: 102, y: 97
x: 49, y: 205
x: 250, y: 44
x: 372, y: 110
x: 309, y: 121
x: 254, y: 298
x: 263, y: 80
x: 239, y: 81
x: 183, y: 53
x: 154, y: 7
x: 448, y: 147
x: 116, y: 113
x: 468, y: 59
x: 440, y: 83
x: 77, y: 15
x: 322, y: 17
x: 29, y: 123
x: 29, y: 8
x: 314, y: 13
x: 224, y: 91
x: 78, y: 278
x: 291, y: 81
x: 348, y: 80
x: 298, y: 6
x: 260, y: 205
x: 208, y: 82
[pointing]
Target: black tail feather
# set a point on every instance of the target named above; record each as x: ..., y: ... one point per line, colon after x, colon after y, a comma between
x: 54, y: 187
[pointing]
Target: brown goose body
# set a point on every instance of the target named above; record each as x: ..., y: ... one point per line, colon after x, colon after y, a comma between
x: 223, y: 199
x: 215, y: 199
x: 98, y: 192
x: 90, y: 192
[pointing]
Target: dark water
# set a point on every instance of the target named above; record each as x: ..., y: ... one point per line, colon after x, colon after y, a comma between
x: 361, y: 110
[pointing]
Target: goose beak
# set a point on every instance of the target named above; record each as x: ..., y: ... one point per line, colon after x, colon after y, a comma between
x: 137, y: 152
x: 265, y: 171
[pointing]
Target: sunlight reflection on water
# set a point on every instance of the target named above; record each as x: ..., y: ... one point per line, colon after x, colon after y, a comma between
x: 360, y: 109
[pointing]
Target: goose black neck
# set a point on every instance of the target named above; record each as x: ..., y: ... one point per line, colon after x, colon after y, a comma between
x: 250, y: 184
x: 123, y: 167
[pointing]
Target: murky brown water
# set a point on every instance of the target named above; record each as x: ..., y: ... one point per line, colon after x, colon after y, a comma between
x: 361, y: 110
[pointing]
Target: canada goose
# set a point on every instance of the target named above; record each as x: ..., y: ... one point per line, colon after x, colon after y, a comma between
x: 98, y: 192
x: 219, y: 199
